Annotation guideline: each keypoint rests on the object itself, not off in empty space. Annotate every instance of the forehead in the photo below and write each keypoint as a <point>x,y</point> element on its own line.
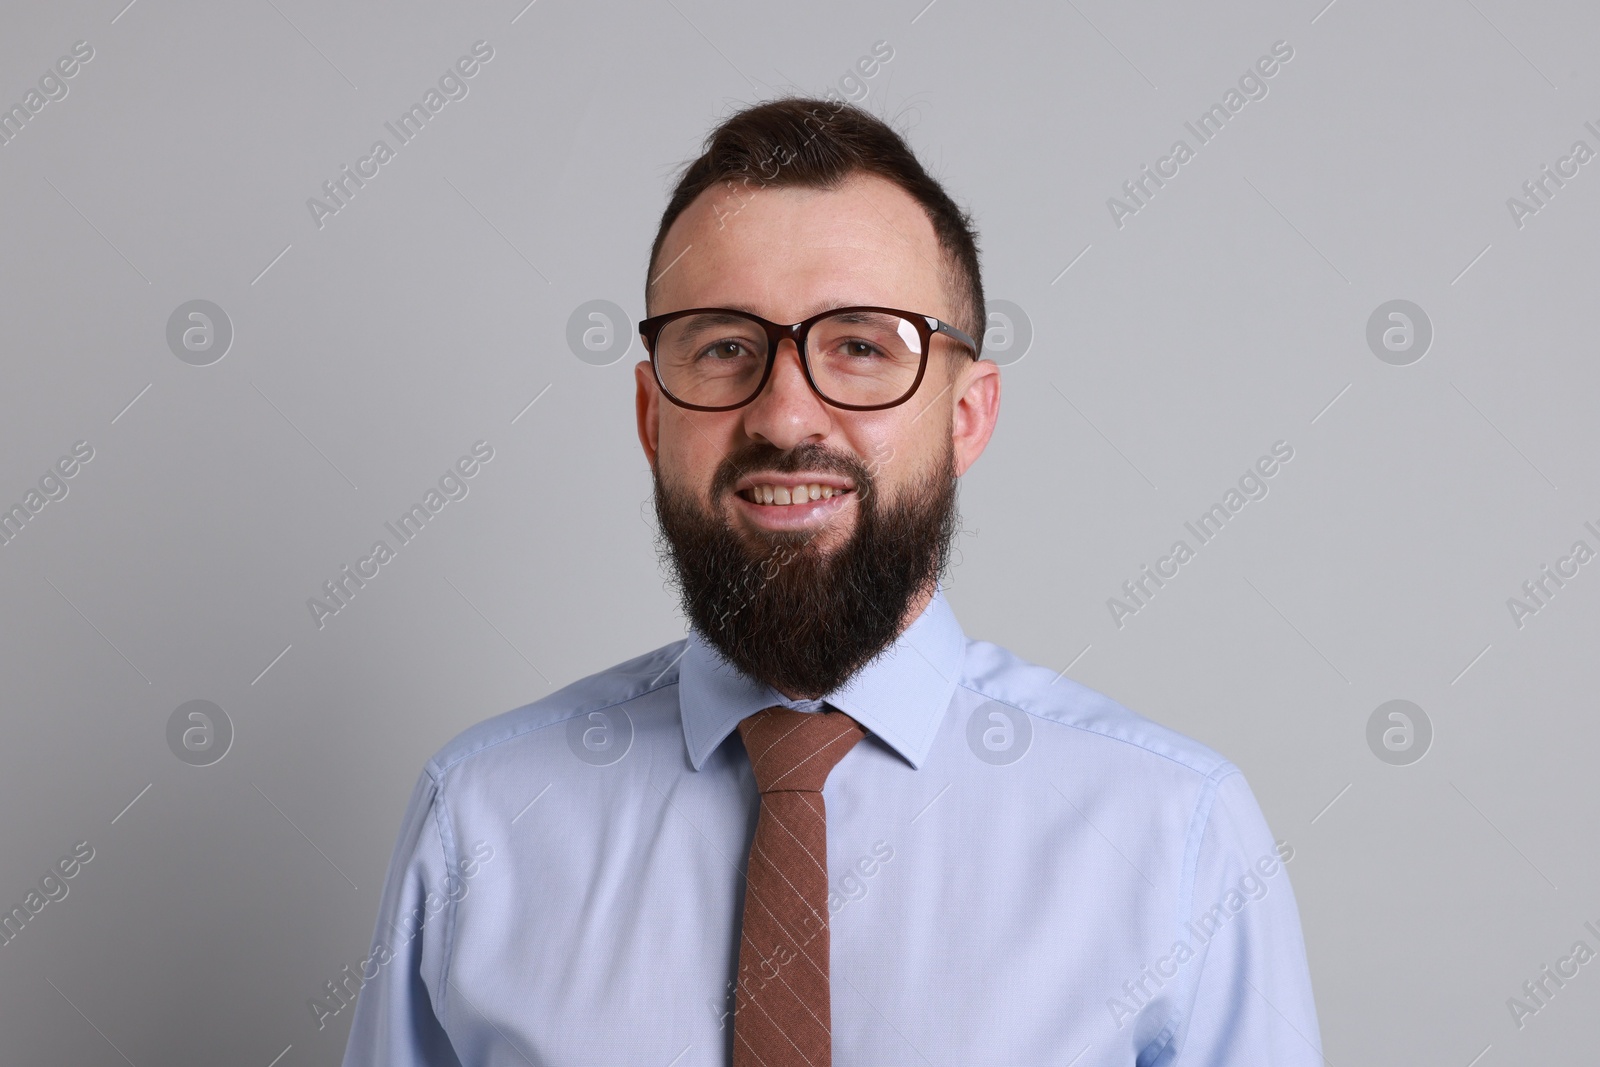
<point>787,252</point>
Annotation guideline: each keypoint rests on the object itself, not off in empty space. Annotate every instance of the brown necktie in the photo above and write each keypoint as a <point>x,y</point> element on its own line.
<point>781,1015</point>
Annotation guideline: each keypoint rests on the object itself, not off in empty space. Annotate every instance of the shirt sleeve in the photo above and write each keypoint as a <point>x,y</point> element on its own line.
<point>1251,988</point>
<point>396,1021</point>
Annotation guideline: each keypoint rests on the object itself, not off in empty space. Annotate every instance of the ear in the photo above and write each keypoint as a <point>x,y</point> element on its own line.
<point>977,407</point>
<point>647,409</point>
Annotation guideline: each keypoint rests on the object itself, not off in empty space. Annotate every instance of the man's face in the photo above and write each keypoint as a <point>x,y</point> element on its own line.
<point>786,254</point>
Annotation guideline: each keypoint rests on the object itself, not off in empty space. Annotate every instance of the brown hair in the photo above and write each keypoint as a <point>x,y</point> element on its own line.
<point>815,143</point>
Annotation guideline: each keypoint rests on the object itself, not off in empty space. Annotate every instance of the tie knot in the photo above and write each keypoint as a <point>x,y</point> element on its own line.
<point>796,750</point>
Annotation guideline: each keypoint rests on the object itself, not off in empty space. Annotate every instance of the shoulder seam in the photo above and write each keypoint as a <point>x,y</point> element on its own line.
<point>448,847</point>
<point>444,769</point>
<point>438,773</point>
<point>1198,824</point>
<point>1222,760</point>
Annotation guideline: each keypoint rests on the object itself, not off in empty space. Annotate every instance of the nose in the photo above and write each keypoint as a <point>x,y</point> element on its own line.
<point>787,412</point>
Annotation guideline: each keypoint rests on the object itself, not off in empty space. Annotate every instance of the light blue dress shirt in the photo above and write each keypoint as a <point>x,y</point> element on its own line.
<point>1022,872</point>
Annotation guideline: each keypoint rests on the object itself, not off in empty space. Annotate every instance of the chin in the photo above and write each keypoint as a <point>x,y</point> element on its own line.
<point>765,544</point>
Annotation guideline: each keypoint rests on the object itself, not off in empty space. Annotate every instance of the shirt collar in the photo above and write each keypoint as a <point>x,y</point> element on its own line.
<point>900,696</point>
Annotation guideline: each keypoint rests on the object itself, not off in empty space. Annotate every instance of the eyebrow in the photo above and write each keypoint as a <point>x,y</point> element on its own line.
<point>714,319</point>
<point>861,316</point>
<point>816,309</point>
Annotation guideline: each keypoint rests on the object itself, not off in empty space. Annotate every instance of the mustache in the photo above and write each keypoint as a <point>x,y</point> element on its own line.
<point>761,456</point>
<point>805,621</point>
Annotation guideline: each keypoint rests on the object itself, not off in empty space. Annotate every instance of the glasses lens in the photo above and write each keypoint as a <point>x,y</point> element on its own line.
<point>864,357</point>
<point>713,359</point>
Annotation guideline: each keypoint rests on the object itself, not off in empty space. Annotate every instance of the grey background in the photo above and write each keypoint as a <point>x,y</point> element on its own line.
<point>1228,314</point>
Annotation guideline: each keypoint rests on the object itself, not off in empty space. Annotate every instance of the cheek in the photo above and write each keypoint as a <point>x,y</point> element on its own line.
<point>690,451</point>
<point>896,450</point>
<point>906,468</point>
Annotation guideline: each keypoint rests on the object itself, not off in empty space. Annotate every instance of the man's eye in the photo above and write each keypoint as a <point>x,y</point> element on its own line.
<point>857,349</point>
<point>724,350</point>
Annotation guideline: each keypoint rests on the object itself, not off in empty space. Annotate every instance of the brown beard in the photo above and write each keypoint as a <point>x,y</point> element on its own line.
<point>787,614</point>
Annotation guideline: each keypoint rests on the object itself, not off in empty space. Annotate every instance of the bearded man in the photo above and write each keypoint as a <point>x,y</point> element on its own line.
<point>827,824</point>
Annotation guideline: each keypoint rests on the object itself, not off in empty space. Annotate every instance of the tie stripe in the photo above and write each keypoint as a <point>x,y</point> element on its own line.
<point>781,1004</point>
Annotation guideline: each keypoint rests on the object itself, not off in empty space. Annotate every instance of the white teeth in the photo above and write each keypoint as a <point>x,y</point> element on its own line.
<point>785,495</point>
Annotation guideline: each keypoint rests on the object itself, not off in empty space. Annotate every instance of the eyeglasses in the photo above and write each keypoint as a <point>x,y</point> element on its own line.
<point>857,358</point>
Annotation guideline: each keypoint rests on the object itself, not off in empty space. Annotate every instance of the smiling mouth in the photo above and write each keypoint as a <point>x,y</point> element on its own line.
<point>790,495</point>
